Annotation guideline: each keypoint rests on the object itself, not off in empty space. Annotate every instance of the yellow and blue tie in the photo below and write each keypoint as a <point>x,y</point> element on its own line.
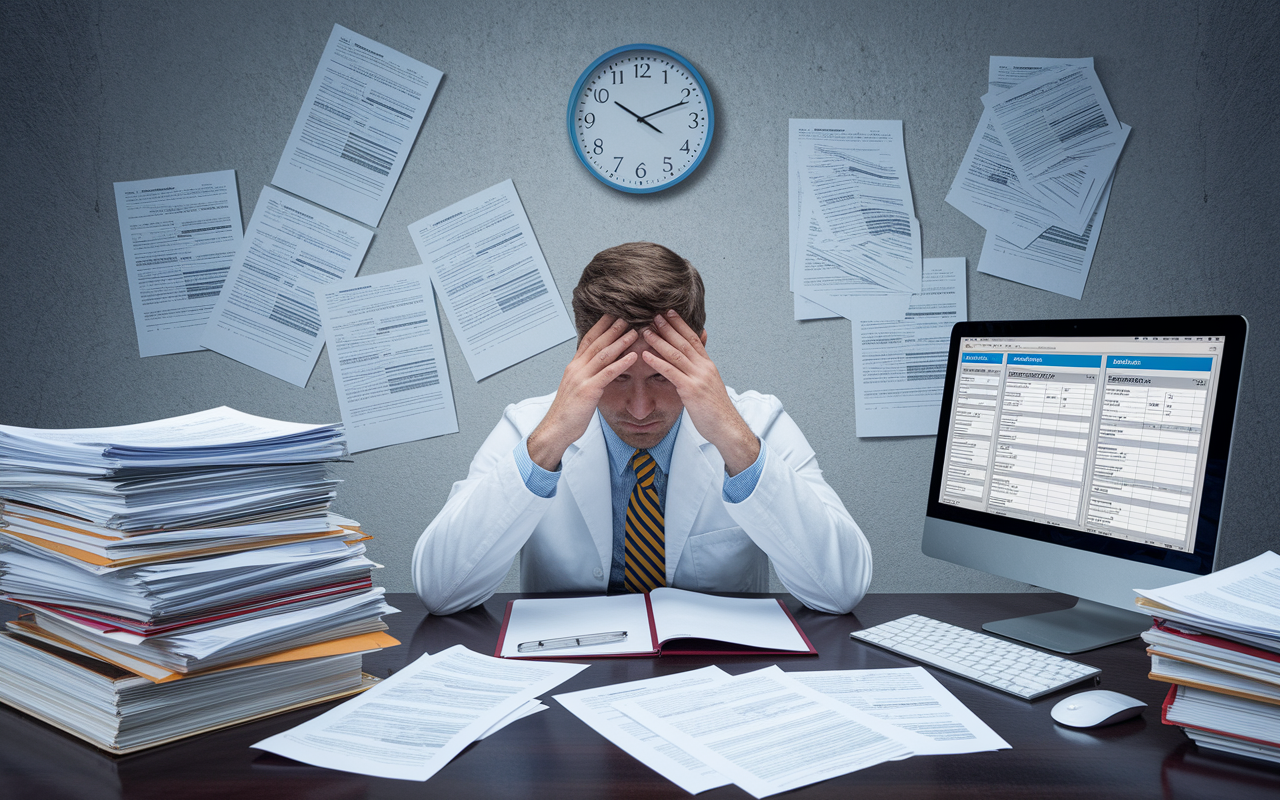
<point>646,559</point>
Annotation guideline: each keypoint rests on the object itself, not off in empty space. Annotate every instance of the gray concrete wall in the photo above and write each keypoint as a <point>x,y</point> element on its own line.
<point>99,92</point>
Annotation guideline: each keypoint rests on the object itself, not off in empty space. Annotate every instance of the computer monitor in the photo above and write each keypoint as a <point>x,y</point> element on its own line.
<point>1088,457</point>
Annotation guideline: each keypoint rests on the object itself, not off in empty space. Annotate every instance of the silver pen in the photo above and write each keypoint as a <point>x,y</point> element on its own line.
<point>584,640</point>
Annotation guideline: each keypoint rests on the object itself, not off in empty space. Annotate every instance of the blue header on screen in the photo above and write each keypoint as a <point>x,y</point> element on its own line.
<point>1054,360</point>
<point>1180,364</point>
<point>697,76</point>
<point>982,358</point>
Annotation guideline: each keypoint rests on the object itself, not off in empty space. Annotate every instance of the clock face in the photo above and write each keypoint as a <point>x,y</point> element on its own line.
<point>640,118</point>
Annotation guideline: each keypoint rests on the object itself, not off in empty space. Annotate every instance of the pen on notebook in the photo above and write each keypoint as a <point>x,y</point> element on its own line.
<point>584,640</point>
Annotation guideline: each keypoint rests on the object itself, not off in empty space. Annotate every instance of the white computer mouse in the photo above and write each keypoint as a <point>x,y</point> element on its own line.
<point>1096,708</point>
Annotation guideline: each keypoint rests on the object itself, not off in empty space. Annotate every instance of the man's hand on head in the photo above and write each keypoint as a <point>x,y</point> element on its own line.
<point>681,357</point>
<point>601,357</point>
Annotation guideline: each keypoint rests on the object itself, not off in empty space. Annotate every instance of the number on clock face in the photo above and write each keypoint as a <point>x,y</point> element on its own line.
<point>641,120</point>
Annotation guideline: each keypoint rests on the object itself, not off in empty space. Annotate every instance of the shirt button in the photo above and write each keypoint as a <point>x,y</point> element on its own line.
<point>599,573</point>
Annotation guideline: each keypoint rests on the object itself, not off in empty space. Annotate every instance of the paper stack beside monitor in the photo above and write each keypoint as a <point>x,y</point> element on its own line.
<point>182,575</point>
<point>1217,640</point>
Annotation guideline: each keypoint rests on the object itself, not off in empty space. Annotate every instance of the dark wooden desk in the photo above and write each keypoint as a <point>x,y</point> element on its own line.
<point>554,755</point>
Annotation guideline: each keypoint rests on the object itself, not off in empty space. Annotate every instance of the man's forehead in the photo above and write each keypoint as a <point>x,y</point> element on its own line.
<point>638,346</point>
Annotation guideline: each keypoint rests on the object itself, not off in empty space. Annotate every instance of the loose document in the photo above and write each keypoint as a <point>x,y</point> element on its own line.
<point>388,358</point>
<point>910,699</point>
<point>769,733</point>
<point>411,725</point>
<point>180,235</point>
<point>1057,260</point>
<point>899,366</point>
<point>267,316</point>
<point>855,240</point>
<point>1037,172</point>
<point>596,707</point>
<point>492,279</point>
<point>358,122</point>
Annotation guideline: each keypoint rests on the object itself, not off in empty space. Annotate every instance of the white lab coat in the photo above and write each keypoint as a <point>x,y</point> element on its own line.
<point>565,542</point>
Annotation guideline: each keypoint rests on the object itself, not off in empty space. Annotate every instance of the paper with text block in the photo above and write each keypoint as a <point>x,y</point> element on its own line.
<point>769,733</point>
<point>596,708</point>
<point>387,355</point>
<point>411,724</point>
<point>910,699</point>
<point>180,236</point>
<point>267,316</point>
<point>492,280</point>
<point>899,366</point>
<point>357,125</point>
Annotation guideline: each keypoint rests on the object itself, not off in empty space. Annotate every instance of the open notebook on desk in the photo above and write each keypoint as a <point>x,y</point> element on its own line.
<point>664,621</point>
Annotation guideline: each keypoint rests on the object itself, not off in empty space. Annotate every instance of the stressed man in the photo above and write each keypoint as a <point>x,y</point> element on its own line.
<point>643,469</point>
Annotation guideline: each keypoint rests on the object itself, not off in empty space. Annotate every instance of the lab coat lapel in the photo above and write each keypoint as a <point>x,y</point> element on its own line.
<point>586,471</point>
<point>690,478</point>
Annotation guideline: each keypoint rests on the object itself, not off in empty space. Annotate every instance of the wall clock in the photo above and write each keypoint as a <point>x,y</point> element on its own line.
<point>640,118</point>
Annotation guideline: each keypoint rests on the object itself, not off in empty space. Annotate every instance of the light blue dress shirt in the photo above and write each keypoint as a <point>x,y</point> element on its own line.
<point>622,480</point>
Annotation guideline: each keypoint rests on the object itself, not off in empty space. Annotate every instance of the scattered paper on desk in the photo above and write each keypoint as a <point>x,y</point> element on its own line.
<point>596,708</point>
<point>492,280</point>
<point>1056,260</point>
<point>267,316</point>
<point>411,724</point>
<point>180,236</point>
<point>911,699</point>
<point>387,356</point>
<point>768,733</point>
<point>357,125</point>
<point>529,708</point>
<point>855,240</point>
<point>899,366</point>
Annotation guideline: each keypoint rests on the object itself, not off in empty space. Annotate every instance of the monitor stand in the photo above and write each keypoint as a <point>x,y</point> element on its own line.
<point>1085,626</point>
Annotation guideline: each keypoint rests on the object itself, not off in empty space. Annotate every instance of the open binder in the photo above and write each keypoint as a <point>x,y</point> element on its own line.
<point>662,622</point>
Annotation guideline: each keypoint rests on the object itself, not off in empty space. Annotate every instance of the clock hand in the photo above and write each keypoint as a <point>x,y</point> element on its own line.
<point>634,114</point>
<point>659,111</point>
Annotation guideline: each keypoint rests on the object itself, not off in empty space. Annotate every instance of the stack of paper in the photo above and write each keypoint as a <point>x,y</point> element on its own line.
<point>1217,640</point>
<point>1038,170</point>
<point>185,563</point>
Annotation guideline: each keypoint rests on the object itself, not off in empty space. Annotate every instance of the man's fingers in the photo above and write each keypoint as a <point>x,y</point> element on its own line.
<point>610,352</point>
<point>602,327</point>
<point>665,368</point>
<point>680,327</point>
<point>614,369</point>
<point>663,347</point>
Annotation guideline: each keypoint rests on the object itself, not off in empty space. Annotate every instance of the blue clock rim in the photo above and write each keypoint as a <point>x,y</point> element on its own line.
<point>697,76</point>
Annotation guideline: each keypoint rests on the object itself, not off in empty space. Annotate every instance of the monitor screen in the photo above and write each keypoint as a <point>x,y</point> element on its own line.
<point>1105,437</point>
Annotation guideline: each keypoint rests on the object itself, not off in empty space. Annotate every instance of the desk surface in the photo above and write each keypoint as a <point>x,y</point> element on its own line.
<point>554,755</point>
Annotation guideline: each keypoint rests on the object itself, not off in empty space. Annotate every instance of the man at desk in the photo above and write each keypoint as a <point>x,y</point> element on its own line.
<point>643,469</point>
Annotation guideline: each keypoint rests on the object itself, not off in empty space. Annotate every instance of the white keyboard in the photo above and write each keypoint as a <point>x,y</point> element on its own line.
<point>989,660</point>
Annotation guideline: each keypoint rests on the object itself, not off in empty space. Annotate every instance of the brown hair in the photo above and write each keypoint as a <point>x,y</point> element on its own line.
<point>637,282</point>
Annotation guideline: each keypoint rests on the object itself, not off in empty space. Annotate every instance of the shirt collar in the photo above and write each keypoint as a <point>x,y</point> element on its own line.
<point>620,452</point>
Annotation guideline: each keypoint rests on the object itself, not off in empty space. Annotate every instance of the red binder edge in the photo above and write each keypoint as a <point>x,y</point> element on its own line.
<point>1215,641</point>
<point>660,650</point>
<point>1164,717</point>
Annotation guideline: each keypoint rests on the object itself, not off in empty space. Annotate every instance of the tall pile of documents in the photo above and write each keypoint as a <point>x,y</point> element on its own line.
<point>1217,640</point>
<point>181,575</point>
<point>1037,174</point>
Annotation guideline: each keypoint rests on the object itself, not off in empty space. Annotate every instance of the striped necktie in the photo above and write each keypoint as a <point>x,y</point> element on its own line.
<point>646,560</point>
